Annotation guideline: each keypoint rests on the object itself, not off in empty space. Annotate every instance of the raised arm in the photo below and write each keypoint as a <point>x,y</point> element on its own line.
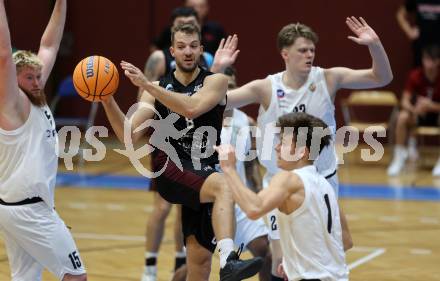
<point>211,94</point>
<point>9,92</point>
<point>50,42</point>
<point>226,54</point>
<point>257,91</point>
<point>412,32</point>
<point>255,205</point>
<point>117,119</point>
<point>378,75</point>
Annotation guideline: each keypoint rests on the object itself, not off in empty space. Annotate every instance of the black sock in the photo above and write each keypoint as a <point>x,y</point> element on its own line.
<point>179,261</point>
<point>150,261</point>
<point>275,278</point>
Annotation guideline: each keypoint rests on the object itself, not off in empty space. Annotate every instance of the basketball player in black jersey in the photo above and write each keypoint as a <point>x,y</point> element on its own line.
<point>198,97</point>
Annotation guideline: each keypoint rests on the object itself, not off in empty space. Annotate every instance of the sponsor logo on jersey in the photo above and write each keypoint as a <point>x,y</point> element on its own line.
<point>196,88</point>
<point>169,87</point>
<point>280,93</point>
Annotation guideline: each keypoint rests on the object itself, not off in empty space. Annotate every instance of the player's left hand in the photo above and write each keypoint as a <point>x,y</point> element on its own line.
<point>135,75</point>
<point>226,156</point>
<point>365,35</point>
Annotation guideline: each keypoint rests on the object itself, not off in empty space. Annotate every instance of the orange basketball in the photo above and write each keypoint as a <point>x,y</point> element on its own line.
<point>95,78</point>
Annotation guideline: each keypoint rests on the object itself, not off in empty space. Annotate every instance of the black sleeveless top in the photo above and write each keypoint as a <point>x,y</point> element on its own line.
<point>204,131</point>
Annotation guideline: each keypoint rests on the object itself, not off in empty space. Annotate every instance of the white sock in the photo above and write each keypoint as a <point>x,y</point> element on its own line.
<point>399,149</point>
<point>412,142</point>
<point>150,255</point>
<point>150,269</point>
<point>225,247</point>
<point>181,254</point>
<point>400,152</point>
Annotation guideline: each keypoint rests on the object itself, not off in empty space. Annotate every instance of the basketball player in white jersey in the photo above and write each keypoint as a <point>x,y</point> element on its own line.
<point>236,131</point>
<point>307,206</point>
<point>302,87</point>
<point>35,237</point>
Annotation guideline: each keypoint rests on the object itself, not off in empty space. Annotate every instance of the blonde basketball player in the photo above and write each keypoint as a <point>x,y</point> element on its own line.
<point>302,87</point>
<point>308,215</point>
<point>35,237</point>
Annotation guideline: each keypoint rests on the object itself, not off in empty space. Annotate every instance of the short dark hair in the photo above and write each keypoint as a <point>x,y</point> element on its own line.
<point>297,120</point>
<point>183,12</point>
<point>187,28</point>
<point>432,51</point>
<point>289,33</point>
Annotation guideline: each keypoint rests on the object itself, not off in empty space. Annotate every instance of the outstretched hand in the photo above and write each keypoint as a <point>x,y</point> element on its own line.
<point>365,35</point>
<point>226,156</point>
<point>135,75</point>
<point>227,52</point>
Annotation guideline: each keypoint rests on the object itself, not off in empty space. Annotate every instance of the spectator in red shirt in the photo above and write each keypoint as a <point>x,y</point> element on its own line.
<point>420,106</point>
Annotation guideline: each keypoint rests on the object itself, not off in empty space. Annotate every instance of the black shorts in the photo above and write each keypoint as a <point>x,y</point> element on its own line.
<point>180,187</point>
<point>183,187</point>
<point>429,120</point>
<point>199,224</point>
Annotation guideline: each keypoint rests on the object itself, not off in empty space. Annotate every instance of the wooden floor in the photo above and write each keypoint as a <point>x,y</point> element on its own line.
<point>394,239</point>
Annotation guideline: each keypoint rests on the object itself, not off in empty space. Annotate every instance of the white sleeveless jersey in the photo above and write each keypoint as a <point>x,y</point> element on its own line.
<point>313,98</point>
<point>29,158</point>
<point>311,236</point>
<point>237,133</point>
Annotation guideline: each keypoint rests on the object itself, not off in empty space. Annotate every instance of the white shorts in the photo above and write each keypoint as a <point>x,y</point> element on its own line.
<point>247,229</point>
<point>35,238</point>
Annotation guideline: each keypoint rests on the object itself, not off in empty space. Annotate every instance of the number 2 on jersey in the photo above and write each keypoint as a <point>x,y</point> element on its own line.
<point>273,223</point>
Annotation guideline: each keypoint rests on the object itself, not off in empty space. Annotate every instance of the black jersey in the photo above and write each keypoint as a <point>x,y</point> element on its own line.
<point>203,132</point>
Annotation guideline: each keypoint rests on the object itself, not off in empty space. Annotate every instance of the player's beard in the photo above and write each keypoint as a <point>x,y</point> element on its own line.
<point>36,99</point>
<point>188,69</point>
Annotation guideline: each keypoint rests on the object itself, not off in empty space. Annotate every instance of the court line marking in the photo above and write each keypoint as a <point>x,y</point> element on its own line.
<point>96,236</point>
<point>115,237</point>
<point>376,252</point>
<point>420,251</point>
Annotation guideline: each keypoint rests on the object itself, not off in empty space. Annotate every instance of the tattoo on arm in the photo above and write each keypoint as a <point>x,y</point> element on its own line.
<point>151,68</point>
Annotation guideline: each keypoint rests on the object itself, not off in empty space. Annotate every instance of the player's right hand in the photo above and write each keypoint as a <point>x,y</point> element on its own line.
<point>226,54</point>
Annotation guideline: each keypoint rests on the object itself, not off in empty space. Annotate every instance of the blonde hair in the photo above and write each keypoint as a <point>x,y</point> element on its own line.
<point>26,59</point>
<point>289,33</point>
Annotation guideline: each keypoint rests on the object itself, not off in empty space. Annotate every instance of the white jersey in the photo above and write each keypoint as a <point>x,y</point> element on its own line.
<point>237,133</point>
<point>312,98</point>
<point>29,158</point>
<point>311,236</point>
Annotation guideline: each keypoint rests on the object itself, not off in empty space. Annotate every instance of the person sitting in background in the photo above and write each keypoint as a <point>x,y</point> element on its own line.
<point>212,32</point>
<point>420,106</point>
